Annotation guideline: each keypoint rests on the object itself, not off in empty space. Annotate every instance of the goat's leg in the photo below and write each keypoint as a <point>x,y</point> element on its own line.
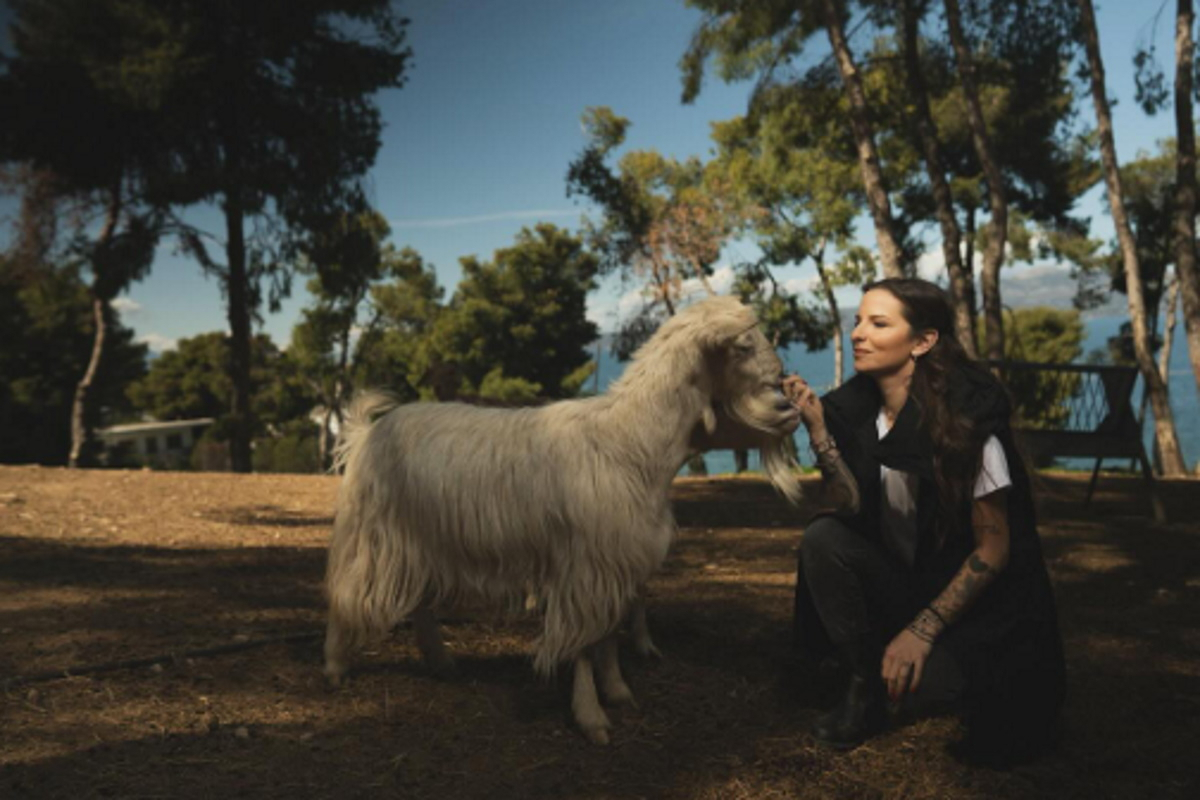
<point>608,674</point>
<point>338,641</point>
<point>429,639</point>
<point>585,704</point>
<point>639,630</point>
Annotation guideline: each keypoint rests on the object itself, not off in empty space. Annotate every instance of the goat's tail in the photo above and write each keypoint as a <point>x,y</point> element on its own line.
<point>358,584</point>
<point>362,411</point>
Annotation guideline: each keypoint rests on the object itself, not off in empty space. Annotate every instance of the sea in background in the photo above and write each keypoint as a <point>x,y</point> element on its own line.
<point>817,369</point>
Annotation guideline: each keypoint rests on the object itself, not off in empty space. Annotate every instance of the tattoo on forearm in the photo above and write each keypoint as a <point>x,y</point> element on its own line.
<point>927,625</point>
<point>964,589</point>
<point>841,490</point>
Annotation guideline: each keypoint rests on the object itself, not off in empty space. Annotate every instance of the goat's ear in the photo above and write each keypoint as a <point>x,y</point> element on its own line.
<point>735,333</point>
<point>743,344</point>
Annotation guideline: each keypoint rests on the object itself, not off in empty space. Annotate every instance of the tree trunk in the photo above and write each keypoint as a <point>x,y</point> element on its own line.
<point>864,137</point>
<point>325,441</point>
<point>1164,421</point>
<point>1185,183</point>
<point>993,257</point>
<point>237,291</point>
<point>1164,353</point>
<point>81,430</point>
<point>839,346</point>
<point>943,201</point>
<point>969,272</point>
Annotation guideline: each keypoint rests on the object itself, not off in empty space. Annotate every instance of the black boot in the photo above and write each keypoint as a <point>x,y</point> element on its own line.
<point>863,711</point>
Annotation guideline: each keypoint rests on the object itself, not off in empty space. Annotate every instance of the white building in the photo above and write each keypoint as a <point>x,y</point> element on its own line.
<point>155,444</point>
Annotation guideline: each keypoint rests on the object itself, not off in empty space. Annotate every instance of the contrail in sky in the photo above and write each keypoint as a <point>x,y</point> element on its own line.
<point>450,222</point>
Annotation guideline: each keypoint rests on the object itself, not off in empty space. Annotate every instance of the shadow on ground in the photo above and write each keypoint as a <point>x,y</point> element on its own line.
<point>724,715</point>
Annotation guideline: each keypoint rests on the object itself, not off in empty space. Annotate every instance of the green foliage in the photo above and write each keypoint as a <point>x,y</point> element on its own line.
<point>1148,185</point>
<point>394,352</point>
<point>276,112</point>
<point>1043,335</point>
<point>517,325</point>
<point>662,219</point>
<point>799,126</point>
<point>47,326</point>
<point>295,450</point>
<point>345,258</point>
<point>192,381</point>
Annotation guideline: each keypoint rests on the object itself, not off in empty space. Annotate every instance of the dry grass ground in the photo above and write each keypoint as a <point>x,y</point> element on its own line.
<point>103,567</point>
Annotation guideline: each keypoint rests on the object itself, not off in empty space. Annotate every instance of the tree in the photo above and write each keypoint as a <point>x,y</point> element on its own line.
<point>961,278</point>
<point>192,381</point>
<point>750,37</point>
<point>1164,423</point>
<point>82,65</point>
<point>997,197</point>
<point>1188,275</point>
<point>664,220</point>
<point>1048,335</point>
<point>46,316</point>
<point>345,258</point>
<point>790,158</point>
<point>394,350</point>
<point>273,117</point>
<point>516,328</point>
<point>1152,94</point>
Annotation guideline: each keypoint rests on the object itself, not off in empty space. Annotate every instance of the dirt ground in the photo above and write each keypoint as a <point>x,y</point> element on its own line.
<point>113,567</point>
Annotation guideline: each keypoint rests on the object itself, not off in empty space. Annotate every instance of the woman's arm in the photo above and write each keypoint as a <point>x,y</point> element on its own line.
<point>905,657</point>
<point>841,489</point>
<point>989,519</point>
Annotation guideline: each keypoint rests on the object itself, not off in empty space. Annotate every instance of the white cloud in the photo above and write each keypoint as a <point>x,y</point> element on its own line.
<point>157,342</point>
<point>125,305</point>
<point>451,222</point>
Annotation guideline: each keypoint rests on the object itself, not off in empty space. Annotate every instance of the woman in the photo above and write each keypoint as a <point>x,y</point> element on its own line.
<point>927,574</point>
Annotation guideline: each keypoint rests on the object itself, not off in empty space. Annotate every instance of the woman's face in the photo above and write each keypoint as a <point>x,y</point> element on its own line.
<point>884,343</point>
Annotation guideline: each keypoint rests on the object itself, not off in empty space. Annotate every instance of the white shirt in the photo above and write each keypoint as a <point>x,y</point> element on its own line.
<point>899,494</point>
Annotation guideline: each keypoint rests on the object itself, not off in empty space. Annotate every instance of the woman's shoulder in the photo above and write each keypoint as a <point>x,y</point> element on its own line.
<point>977,393</point>
<point>855,400</point>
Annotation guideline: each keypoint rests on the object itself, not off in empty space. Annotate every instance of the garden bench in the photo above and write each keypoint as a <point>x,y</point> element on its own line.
<point>1078,411</point>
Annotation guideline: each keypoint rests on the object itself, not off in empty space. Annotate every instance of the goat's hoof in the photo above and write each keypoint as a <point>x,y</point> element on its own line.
<point>648,651</point>
<point>621,697</point>
<point>443,667</point>
<point>335,673</point>
<point>597,735</point>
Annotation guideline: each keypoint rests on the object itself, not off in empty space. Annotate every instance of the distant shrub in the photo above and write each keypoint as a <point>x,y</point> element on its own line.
<point>210,454</point>
<point>293,451</point>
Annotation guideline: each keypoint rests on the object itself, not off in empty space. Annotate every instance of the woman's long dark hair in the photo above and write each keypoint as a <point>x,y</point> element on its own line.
<point>957,444</point>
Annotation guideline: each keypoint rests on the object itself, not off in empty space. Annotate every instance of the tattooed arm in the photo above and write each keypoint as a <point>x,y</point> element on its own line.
<point>989,519</point>
<point>841,489</point>
<point>904,659</point>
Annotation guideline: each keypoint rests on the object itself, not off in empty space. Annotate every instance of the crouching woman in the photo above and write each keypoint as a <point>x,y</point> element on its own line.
<point>926,573</point>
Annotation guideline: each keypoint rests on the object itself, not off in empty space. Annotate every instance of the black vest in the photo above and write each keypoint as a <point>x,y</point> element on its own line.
<point>1008,643</point>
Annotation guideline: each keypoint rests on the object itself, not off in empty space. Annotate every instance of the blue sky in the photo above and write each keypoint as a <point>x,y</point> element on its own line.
<point>477,143</point>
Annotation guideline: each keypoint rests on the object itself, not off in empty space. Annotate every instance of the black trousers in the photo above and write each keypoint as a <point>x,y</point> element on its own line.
<point>859,590</point>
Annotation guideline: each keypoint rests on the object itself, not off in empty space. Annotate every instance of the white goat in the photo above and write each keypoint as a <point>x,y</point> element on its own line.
<point>443,502</point>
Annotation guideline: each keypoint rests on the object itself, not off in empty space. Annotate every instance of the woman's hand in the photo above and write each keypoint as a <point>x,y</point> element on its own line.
<point>805,399</point>
<point>904,662</point>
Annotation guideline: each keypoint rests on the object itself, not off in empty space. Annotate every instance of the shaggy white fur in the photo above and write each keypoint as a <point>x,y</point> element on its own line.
<point>447,502</point>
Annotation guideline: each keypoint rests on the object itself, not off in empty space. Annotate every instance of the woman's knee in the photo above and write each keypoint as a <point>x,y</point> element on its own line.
<point>825,539</point>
